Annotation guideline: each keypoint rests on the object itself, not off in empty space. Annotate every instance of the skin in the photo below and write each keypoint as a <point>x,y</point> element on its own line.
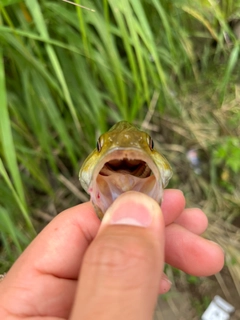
<point>81,268</point>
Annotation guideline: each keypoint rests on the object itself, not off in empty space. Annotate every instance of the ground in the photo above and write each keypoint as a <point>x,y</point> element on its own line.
<point>186,303</point>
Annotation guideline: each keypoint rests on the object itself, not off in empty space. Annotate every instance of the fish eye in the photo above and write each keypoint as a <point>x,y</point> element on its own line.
<point>150,143</point>
<point>99,145</point>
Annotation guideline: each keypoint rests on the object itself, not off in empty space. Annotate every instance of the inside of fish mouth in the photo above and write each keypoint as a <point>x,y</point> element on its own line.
<point>135,167</point>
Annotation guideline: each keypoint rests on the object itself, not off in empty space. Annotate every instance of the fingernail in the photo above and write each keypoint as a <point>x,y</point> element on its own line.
<point>166,279</point>
<point>132,208</point>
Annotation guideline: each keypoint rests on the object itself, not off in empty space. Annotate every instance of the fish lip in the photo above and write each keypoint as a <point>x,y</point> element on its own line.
<point>126,153</point>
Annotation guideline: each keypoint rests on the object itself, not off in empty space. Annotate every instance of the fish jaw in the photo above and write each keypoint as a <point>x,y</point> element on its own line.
<point>122,170</point>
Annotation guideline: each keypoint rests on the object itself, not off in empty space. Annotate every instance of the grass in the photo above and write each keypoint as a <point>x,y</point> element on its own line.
<point>67,74</point>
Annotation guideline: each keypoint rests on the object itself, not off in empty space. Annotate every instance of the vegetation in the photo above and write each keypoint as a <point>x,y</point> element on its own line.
<point>67,73</point>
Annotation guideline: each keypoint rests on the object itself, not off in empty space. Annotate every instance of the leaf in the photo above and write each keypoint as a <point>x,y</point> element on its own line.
<point>8,227</point>
<point>7,138</point>
<point>5,3</point>
<point>22,208</point>
<point>35,10</point>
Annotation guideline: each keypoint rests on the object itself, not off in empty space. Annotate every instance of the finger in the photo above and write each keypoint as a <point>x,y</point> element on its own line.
<point>59,248</point>
<point>52,262</point>
<point>193,220</point>
<point>165,284</point>
<point>123,266</point>
<point>64,241</point>
<point>172,205</point>
<point>191,253</point>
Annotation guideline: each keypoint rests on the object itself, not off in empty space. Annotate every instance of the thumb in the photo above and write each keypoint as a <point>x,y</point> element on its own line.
<point>123,266</point>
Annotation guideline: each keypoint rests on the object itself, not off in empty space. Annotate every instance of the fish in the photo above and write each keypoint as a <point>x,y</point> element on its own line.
<point>124,159</point>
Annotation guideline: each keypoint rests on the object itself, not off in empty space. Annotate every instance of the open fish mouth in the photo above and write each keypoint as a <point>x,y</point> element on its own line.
<point>134,167</point>
<point>122,171</point>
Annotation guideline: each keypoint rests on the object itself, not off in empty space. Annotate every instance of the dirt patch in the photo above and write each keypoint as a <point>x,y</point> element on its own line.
<point>188,301</point>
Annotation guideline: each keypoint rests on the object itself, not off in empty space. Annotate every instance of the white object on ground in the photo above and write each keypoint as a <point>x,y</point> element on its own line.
<point>219,309</point>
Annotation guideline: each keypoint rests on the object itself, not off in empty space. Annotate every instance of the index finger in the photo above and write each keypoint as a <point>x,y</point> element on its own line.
<point>60,246</point>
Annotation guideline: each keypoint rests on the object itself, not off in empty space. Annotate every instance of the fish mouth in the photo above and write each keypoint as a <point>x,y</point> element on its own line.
<point>134,167</point>
<point>121,171</point>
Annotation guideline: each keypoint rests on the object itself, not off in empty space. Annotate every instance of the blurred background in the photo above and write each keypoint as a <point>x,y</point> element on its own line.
<point>68,73</point>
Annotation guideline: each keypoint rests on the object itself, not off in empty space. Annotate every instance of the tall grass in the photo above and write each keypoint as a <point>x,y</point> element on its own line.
<point>67,73</point>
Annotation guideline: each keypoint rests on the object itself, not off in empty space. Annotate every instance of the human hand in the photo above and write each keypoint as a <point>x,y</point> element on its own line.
<point>79,268</point>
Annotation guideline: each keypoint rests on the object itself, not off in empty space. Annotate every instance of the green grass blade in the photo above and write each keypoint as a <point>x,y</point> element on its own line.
<point>7,143</point>
<point>8,228</point>
<point>22,208</point>
<point>33,36</point>
<point>233,59</point>
<point>35,10</point>
<point>5,3</point>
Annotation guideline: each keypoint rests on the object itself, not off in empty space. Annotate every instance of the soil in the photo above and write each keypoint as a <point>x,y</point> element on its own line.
<point>186,301</point>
